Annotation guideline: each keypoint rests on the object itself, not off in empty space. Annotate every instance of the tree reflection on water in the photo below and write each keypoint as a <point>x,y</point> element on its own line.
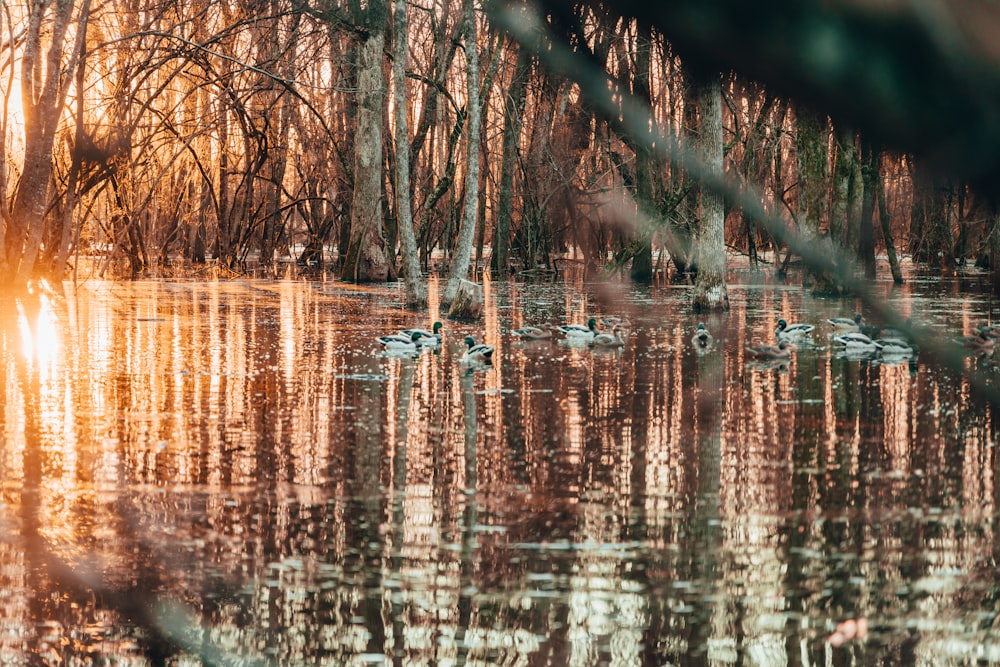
<point>235,472</point>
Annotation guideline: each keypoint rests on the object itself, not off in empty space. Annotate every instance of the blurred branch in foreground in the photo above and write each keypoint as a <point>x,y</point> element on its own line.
<point>608,99</point>
<point>922,77</point>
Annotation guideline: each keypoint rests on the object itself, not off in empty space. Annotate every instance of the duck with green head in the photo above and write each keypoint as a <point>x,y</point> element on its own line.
<point>579,332</point>
<point>399,342</point>
<point>476,354</point>
<point>792,332</point>
<point>426,338</point>
<point>702,339</point>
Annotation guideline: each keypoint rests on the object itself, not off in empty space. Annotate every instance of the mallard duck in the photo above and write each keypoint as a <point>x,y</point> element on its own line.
<point>613,321</point>
<point>793,331</point>
<point>580,332</point>
<point>846,323</point>
<point>702,339</point>
<point>783,350</point>
<point>477,354</point>
<point>612,339</point>
<point>991,330</point>
<point>894,347</point>
<point>426,338</point>
<point>399,342</point>
<point>855,342</point>
<point>981,342</point>
<point>532,333</point>
<point>890,332</point>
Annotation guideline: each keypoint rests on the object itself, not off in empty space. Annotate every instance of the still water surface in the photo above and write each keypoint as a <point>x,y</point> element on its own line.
<point>237,469</point>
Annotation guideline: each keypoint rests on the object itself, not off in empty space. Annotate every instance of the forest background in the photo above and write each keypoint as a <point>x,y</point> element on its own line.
<point>372,139</point>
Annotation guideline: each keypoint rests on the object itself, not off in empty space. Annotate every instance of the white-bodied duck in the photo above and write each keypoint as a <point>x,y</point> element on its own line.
<point>894,347</point>
<point>609,340</point>
<point>399,342</point>
<point>792,332</point>
<point>426,338</point>
<point>476,354</point>
<point>579,332</point>
<point>856,342</point>
<point>846,324</point>
<point>532,333</point>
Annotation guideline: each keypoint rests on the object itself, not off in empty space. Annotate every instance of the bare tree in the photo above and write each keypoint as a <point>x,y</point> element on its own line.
<point>416,290</point>
<point>366,258</point>
<point>44,82</point>
<point>710,286</point>
<point>463,250</point>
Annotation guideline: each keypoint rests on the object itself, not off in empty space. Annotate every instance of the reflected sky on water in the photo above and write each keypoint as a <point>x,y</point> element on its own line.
<point>235,473</point>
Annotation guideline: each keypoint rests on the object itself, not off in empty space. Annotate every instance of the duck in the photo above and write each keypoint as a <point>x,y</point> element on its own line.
<point>399,342</point>
<point>613,321</point>
<point>856,343</point>
<point>793,331</point>
<point>477,354</point>
<point>426,338</point>
<point>890,332</point>
<point>894,347</point>
<point>783,350</point>
<point>846,323</point>
<point>611,340</point>
<point>532,333</point>
<point>579,332</point>
<point>982,342</point>
<point>991,330</point>
<point>702,339</point>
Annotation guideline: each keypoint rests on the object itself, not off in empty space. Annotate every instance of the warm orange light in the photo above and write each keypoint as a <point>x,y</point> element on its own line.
<point>39,335</point>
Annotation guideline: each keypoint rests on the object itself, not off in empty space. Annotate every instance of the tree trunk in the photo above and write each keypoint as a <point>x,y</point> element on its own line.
<point>843,169</point>
<point>642,257</point>
<point>514,103</point>
<point>993,245</point>
<point>710,285</point>
<point>416,290</point>
<point>463,251</point>
<point>883,217</point>
<point>866,237</point>
<point>366,259</point>
<point>42,100</point>
<point>812,153</point>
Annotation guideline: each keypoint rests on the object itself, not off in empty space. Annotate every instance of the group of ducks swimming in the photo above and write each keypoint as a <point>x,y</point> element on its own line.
<point>851,333</point>
<point>859,339</point>
<point>410,341</point>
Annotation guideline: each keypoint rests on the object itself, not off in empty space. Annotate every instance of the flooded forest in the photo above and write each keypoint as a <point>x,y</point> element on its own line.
<point>499,333</point>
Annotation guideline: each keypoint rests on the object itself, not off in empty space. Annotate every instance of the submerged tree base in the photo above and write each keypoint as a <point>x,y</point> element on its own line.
<point>710,298</point>
<point>468,302</point>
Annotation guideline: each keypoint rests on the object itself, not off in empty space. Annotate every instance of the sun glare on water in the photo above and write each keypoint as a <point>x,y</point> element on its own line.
<point>40,339</point>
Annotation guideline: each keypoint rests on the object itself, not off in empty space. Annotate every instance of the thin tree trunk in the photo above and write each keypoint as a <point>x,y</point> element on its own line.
<point>866,237</point>
<point>463,251</point>
<point>514,103</point>
<point>60,253</point>
<point>883,217</point>
<point>993,246</point>
<point>416,290</point>
<point>710,285</point>
<point>840,227</point>
<point>642,258</point>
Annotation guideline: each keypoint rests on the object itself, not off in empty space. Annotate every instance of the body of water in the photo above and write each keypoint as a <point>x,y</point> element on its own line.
<point>235,473</point>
